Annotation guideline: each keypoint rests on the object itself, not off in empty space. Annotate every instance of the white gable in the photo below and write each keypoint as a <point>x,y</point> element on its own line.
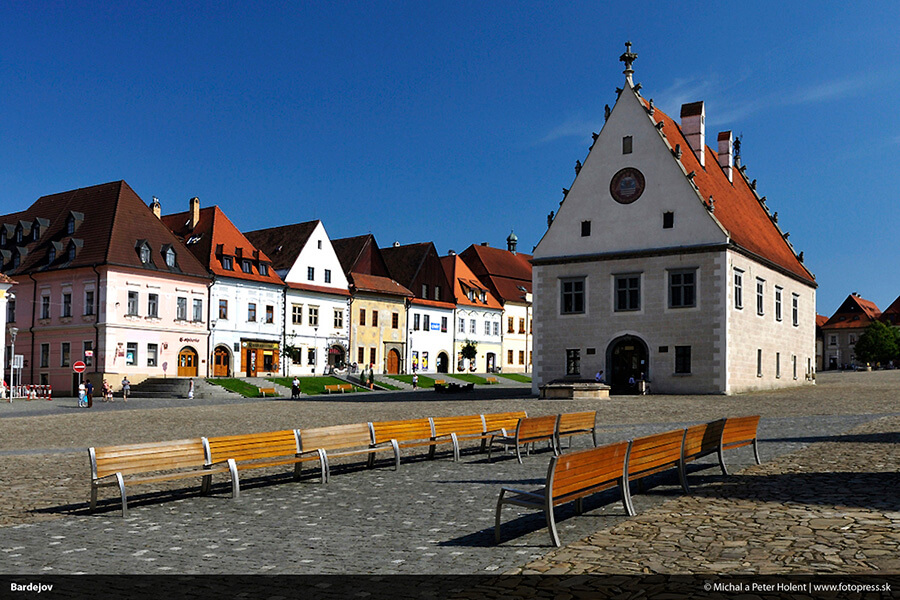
<point>619,227</point>
<point>319,254</point>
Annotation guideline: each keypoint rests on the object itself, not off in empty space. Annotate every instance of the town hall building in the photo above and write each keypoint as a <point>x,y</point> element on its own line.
<point>663,264</point>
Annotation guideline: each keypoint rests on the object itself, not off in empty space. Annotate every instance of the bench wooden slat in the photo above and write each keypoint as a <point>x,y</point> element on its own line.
<point>528,431</point>
<point>507,421</point>
<point>737,433</point>
<point>402,431</point>
<point>344,440</point>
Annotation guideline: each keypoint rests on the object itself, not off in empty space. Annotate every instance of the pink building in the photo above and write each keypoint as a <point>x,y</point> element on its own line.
<point>102,280</point>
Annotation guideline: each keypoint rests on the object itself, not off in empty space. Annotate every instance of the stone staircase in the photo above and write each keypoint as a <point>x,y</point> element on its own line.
<point>173,387</point>
<point>391,381</point>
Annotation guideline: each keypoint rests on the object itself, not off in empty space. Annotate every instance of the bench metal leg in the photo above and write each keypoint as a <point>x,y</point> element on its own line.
<point>455,441</point>
<point>579,506</point>
<point>93,497</point>
<point>324,467</point>
<point>682,476</point>
<point>519,453</point>
<point>205,484</point>
<point>626,497</point>
<point>756,451</point>
<point>722,462</point>
<point>121,483</point>
<point>551,525</point>
<point>396,454</point>
<point>497,516</point>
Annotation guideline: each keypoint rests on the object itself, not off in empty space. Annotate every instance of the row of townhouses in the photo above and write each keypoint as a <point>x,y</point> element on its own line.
<point>836,336</point>
<point>96,275</point>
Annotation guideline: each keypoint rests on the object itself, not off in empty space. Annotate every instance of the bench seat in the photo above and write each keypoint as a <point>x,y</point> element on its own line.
<point>343,440</point>
<point>571,424</point>
<point>528,431</point>
<point>259,450</point>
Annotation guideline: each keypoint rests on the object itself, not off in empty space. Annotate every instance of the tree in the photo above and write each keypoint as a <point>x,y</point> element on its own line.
<point>469,350</point>
<point>879,343</point>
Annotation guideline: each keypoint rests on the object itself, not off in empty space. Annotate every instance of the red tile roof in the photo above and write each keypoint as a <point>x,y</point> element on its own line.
<point>855,313</point>
<point>507,274</point>
<point>461,276</point>
<point>736,205</point>
<point>364,282</point>
<point>821,320</point>
<point>215,232</point>
<point>891,315</point>
<point>110,222</point>
<point>318,288</point>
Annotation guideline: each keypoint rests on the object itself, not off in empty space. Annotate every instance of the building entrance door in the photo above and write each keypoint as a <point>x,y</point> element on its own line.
<point>627,361</point>
<point>443,363</point>
<point>220,362</point>
<point>393,362</point>
<point>187,362</point>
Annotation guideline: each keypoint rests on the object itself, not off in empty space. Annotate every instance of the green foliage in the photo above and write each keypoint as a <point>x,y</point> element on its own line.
<point>516,377</point>
<point>236,385</point>
<point>879,343</point>
<point>312,386</point>
<point>471,378</point>
<point>469,350</point>
<point>424,382</point>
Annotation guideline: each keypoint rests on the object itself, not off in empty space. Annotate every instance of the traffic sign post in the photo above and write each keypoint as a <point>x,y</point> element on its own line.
<point>79,366</point>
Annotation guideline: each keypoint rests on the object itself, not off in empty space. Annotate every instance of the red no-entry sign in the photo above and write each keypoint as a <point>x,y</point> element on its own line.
<point>79,366</point>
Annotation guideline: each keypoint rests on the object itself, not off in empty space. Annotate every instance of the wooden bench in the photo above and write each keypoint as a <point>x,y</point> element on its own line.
<point>454,429</point>
<point>343,440</point>
<point>570,477</point>
<point>502,423</point>
<point>576,424</point>
<point>699,441</point>
<point>649,455</point>
<point>440,382</point>
<point>490,380</point>
<point>153,462</point>
<point>528,431</point>
<point>268,391</point>
<point>259,450</point>
<point>409,433</point>
<point>338,388</point>
<point>739,432</point>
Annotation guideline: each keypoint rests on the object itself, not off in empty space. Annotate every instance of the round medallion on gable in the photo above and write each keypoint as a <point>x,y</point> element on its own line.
<point>627,185</point>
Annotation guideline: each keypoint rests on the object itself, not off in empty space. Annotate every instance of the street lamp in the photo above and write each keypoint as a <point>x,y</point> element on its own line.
<point>13,332</point>
<point>315,349</point>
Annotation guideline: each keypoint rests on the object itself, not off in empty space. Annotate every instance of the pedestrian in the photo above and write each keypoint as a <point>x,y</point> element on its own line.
<point>3,392</point>
<point>599,376</point>
<point>126,388</point>
<point>372,376</point>
<point>191,390</point>
<point>415,381</point>
<point>295,388</point>
<point>89,388</point>
<point>107,391</point>
<point>82,399</point>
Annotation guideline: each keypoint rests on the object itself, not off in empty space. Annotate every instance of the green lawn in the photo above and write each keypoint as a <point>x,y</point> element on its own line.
<point>236,385</point>
<point>516,377</point>
<point>312,386</point>
<point>471,378</point>
<point>424,382</point>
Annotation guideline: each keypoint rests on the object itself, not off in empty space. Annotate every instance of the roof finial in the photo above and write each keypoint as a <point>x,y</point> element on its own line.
<point>628,58</point>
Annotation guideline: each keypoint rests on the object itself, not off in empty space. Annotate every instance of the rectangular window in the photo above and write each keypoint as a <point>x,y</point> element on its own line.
<point>152,355</point>
<point>223,309</point>
<point>374,318</point>
<point>832,340</point>
<point>67,305</point>
<point>131,354</point>
<point>668,220</point>
<point>521,325</point>
<point>760,296</point>
<point>472,325</point>
<point>372,356</point>
<point>198,310</point>
<point>462,325</point>
<point>361,355</point>
<point>270,313</point>
<point>311,356</point>
<point>313,316</point>
<point>45,307</point>
<point>338,318</point>
<point>245,266</point>
<point>509,357</point>
<point>181,313</point>
<point>682,359</point>
<point>227,263</point>
<point>497,328</point>
<point>778,294</point>
<point>572,296</point>
<point>759,362</point>
<point>64,354</point>
<point>426,322</point>
<point>416,322</point>
<point>327,275</point>
<point>585,228</point>
<point>88,346</point>
<point>132,308</point>
<point>683,288</point>
<point>437,292</point>
<point>509,324</point>
<point>794,365</point>
<point>521,357</point>
<point>297,314</point>
<point>362,316</point>
<point>310,273</point>
<point>425,290</point>
<point>738,289</point>
<point>444,324</point>
<point>573,362</point>
<point>153,305</point>
<point>251,311</point>
<point>45,355</point>
<point>11,310</point>
<point>778,365</point>
<point>627,144</point>
<point>795,309</point>
<point>628,292</point>
<point>395,321</point>
<point>487,328</point>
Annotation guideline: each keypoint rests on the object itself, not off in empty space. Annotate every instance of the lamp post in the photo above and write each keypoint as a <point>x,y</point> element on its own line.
<point>212,343</point>
<point>315,349</point>
<point>13,332</point>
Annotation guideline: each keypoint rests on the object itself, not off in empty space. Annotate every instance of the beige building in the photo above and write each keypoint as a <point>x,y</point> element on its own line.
<point>842,330</point>
<point>664,264</point>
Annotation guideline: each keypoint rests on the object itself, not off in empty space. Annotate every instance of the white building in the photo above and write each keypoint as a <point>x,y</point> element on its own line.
<point>246,298</point>
<point>478,316</point>
<point>317,299</point>
<point>663,262</point>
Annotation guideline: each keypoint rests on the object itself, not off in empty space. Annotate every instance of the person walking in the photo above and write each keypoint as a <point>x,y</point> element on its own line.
<point>82,400</point>
<point>191,390</point>
<point>372,376</point>
<point>126,388</point>
<point>106,390</point>
<point>415,381</point>
<point>89,389</point>
<point>295,388</point>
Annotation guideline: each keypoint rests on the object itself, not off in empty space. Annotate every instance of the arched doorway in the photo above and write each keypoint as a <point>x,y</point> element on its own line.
<point>187,362</point>
<point>443,363</point>
<point>393,362</point>
<point>221,362</point>
<point>627,358</point>
<point>336,357</point>
<point>491,360</point>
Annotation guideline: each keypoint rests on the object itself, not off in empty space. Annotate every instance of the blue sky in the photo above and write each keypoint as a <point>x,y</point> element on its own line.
<point>452,122</point>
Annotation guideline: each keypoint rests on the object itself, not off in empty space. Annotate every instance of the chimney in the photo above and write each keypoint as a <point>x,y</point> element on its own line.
<point>396,244</point>
<point>693,124</point>
<point>156,207</point>
<point>726,159</point>
<point>485,244</point>
<point>195,212</point>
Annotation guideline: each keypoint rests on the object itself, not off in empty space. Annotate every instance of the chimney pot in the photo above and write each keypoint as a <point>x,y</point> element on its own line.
<point>726,158</point>
<point>693,124</point>
<point>195,212</point>
<point>156,207</point>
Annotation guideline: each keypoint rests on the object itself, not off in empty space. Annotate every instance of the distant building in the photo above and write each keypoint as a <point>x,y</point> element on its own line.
<point>843,329</point>
<point>478,316</point>
<point>664,263</point>
<point>891,315</point>
<point>820,342</point>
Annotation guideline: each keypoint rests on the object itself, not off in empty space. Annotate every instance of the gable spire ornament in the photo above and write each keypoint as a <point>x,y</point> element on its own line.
<point>628,58</point>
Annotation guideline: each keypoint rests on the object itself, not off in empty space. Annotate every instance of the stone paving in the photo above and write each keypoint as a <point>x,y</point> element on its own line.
<point>823,501</point>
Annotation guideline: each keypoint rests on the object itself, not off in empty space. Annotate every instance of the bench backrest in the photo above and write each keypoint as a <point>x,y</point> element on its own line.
<point>581,421</point>
<point>701,440</point>
<point>654,453</point>
<point>144,458</point>
<point>507,421</point>
<point>402,431</point>
<point>253,446</point>
<point>467,425</point>
<point>739,431</point>
<point>530,428</point>
<point>335,437</point>
<point>580,473</point>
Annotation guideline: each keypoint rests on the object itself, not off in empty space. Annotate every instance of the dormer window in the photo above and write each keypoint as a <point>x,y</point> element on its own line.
<point>70,225</point>
<point>264,270</point>
<point>170,257</point>
<point>71,253</point>
<point>3,239</point>
<point>19,234</point>
<point>51,255</point>
<point>227,263</point>
<point>144,253</point>
<point>245,266</point>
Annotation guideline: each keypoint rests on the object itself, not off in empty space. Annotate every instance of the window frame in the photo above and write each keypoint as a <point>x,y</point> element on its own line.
<point>738,282</point>
<point>682,288</point>
<point>573,295</point>
<point>153,306</point>
<point>630,293</point>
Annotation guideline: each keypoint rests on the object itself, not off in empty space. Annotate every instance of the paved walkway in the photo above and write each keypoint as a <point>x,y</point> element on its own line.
<point>823,501</point>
